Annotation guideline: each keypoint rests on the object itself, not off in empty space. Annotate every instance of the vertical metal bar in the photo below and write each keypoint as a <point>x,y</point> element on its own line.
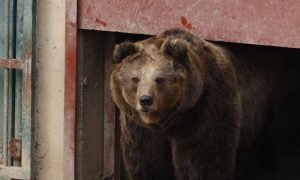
<point>5,86</point>
<point>2,22</point>
<point>5,119</point>
<point>18,78</point>
<point>26,124</point>
<point>11,74</point>
<point>10,112</point>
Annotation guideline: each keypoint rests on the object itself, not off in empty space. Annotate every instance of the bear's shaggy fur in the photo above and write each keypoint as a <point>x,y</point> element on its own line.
<point>208,104</point>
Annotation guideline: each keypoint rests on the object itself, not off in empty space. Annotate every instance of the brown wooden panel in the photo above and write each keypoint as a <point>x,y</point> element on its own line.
<point>89,106</point>
<point>271,22</point>
<point>97,151</point>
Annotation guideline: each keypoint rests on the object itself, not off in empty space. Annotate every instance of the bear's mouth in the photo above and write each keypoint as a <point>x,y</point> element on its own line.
<point>146,109</point>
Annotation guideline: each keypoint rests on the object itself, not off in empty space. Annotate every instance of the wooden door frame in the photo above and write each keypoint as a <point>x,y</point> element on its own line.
<point>70,89</point>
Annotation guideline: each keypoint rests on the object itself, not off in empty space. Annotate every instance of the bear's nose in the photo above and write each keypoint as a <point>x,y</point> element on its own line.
<point>146,100</point>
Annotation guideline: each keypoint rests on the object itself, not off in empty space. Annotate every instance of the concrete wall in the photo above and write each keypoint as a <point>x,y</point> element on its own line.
<point>50,89</point>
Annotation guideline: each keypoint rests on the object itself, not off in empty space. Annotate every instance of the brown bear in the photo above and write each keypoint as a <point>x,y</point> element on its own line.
<point>190,108</point>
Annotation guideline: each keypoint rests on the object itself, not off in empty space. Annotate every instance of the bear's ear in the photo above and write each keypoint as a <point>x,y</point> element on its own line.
<point>175,47</point>
<point>123,50</point>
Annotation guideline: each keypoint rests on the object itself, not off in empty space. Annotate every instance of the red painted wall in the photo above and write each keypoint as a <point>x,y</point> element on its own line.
<point>266,22</point>
<point>70,89</point>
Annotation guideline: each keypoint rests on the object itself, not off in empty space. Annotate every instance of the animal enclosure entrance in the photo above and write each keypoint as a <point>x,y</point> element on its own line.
<point>97,149</point>
<point>276,155</point>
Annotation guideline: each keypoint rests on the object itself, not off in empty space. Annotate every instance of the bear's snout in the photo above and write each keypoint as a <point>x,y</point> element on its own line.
<point>146,102</point>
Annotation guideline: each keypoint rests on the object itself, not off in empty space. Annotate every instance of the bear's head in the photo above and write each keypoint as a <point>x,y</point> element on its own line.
<point>156,79</point>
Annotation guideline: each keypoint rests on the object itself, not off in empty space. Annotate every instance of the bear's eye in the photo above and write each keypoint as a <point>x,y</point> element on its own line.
<point>159,80</point>
<point>135,79</point>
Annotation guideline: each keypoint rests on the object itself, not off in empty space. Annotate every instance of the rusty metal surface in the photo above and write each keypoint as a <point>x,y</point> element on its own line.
<point>11,63</point>
<point>70,90</point>
<point>270,22</point>
<point>19,57</point>
<point>15,148</point>
<point>26,129</point>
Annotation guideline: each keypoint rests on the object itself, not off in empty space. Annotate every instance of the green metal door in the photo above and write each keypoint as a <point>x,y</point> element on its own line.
<point>16,22</point>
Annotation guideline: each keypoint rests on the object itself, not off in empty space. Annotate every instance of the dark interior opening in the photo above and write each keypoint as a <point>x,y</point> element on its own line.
<point>275,156</point>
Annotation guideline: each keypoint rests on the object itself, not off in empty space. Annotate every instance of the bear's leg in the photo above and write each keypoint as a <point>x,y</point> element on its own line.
<point>146,155</point>
<point>206,155</point>
<point>191,163</point>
